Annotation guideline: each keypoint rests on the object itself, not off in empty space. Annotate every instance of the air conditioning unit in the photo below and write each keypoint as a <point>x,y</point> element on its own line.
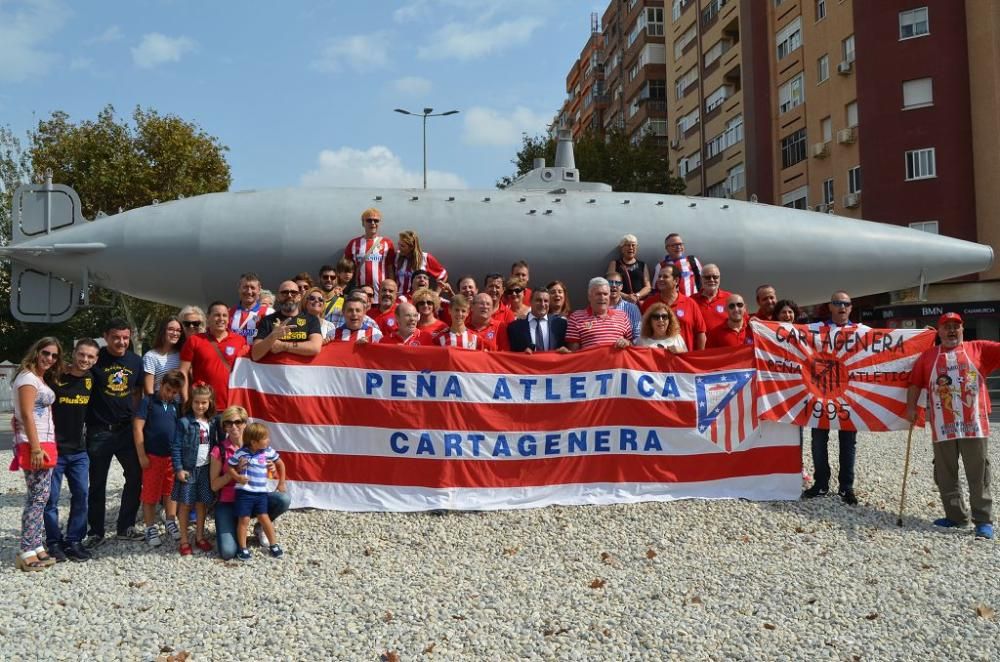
<point>844,68</point>
<point>675,144</point>
<point>820,150</point>
<point>852,200</point>
<point>845,136</point>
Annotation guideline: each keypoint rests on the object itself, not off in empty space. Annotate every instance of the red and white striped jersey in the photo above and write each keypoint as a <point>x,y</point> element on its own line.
<point>244,320</point>
<point>370,257</point>
<point>465,340</point>
<point>405,269</point>
<point>690,272</point>
<point>371,334</point>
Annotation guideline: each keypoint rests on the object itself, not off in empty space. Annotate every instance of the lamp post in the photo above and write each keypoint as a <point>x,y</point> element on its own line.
<point>428,112</point>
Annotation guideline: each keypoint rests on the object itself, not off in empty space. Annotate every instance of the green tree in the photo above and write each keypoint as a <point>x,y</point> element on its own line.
<point>642,167</point>
<point>114,165</point>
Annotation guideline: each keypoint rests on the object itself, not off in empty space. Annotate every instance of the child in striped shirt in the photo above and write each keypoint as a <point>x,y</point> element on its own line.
<point>248,468</point>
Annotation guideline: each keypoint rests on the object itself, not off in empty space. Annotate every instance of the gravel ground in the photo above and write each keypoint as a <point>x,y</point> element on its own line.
<point>684,580</point>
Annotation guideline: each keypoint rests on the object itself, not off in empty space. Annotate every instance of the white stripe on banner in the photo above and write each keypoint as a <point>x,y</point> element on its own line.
<point>444,386</point>
<point>355,497</point>
<point>445,444</point>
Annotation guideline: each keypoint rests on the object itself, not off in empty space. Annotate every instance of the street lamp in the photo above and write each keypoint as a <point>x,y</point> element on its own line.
<point>428,112</point>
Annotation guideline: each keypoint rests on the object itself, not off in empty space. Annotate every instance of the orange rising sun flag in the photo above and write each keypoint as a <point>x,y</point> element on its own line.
<point>849,378</point>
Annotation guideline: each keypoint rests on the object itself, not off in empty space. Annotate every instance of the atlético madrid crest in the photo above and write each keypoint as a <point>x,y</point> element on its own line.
<point>725,407</point>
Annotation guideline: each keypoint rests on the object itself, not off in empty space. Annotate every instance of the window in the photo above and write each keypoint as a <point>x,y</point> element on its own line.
<point>736,178</point>
<point>734,130</point>
<point>913,23</point>
<point>854,180</point>
<point>920,164</point>
<point>791,94</point>
<point>717,190</point>
<point>683,41</point>
<point>925,226</point>
<point>797,199</point>
<point>820,10</point>
<point>654,21</point>
<point>676,10</point>
<point>653,54</point>
<point>657,127</point>
<point>717,97</point>
<point>685,122</point>
<point>689,78</point>
<point>716,51</point>
<point>828,191</point>
<point>851,112</point>
<point>918,93</point>
<point>847,49</point>
<point>688,164</point>
<point>822,69</point>
<point>789,38</point>
<point>654,89</point>
<point>826,129</point>
<point>793,148</point>
<point>711,10</point>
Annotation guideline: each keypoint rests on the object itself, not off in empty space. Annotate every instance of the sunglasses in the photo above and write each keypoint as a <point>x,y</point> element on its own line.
<point>314,299</point>
<point>516,290</point>
<point>840,304</point>
<point>328,277</point>
<point>373,220</point>
<point>290,293</point>
<point>238,421</point>
<point>660,317</point>
<point>425,303</point>
<point>734,305</point>
<point>615,283</point>
<point>49,355</point>
<point>191,324</point>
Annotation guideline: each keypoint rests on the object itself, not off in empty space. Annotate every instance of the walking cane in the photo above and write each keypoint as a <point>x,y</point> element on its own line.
<point>906,473</point>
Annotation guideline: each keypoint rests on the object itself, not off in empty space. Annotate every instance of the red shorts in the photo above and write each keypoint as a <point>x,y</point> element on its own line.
<point>157,480</point>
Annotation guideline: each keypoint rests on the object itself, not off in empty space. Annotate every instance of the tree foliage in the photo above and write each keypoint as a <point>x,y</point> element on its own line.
<point>612,159</point>
<point>114,165</point>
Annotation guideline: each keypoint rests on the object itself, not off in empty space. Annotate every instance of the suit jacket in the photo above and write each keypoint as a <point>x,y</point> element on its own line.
<point>520,337</point>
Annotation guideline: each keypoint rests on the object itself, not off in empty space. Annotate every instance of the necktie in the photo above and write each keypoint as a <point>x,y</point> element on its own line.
<point>539,341</point>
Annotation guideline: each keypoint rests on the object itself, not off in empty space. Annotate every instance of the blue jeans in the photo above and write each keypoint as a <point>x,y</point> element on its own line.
<point>821,458</point>
<point>76,468</point>
<point>103,446</point>
<point>225,521</point>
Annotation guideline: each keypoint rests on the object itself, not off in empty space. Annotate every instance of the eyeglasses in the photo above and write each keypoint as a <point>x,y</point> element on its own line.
<point>734,305</point>
<point>615,283</point>
<point>425,303</point>
<point>290,293</point>
<point>710,276</point>
<point>314,299</point>
<point>49,355</point>
<point>237,421</point>
<point>660,317</point>
<point>191,324</point>
<point>840,304</point>
<point>516,290</point>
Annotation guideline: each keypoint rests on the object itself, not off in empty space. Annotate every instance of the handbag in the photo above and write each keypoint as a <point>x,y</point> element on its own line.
<point>22,456</point>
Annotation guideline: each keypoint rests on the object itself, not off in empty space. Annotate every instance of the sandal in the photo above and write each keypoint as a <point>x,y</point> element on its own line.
<point>203,545</point>
<point>22,563</point>
<point>43,557</point>
<point>186,550</point>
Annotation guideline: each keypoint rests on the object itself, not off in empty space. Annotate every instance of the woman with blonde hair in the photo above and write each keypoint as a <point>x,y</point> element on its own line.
<point>410,258</point>
<point>35,445</point>
<point>514,293</point>
<point>427,302</point>
<point>660,328</point>
<point>635,274</point>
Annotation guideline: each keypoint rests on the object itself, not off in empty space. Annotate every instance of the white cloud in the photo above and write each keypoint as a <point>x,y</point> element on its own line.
<point>411,11</point>
<point>487,126</point>
<point>156,49</point>
<point>464,41</point>
<point>113,33</point>
<point>412,86</point>
<point>359,52</point>
<point>23,31</point>
<point>375,166</point>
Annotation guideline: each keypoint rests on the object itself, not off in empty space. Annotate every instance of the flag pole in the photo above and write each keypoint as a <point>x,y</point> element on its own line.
<point>906,472</point>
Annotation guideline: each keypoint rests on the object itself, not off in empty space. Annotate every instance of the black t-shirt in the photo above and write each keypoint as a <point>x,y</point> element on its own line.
<point>303,325</point>
<point>631,275</point>
<point>70,411</point>
<point>116,378</point>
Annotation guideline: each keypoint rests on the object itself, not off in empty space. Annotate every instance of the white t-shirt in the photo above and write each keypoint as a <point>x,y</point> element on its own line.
<point>42,411</point>
<point>665,343</point>
<point>156,364</point>
<point>203,447</point>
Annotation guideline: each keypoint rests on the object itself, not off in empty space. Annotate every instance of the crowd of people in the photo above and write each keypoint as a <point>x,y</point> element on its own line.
<point>186,449</point>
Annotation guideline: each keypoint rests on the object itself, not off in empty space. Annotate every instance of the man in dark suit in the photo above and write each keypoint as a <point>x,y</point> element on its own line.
<point>539,331</point>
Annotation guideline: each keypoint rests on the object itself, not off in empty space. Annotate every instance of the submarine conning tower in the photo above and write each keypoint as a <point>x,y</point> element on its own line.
<point>562,176</point>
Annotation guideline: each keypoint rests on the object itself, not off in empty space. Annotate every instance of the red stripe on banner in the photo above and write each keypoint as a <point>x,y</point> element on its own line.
<point>416,472</point>
<point>396,358</point>
<point>432,415</point>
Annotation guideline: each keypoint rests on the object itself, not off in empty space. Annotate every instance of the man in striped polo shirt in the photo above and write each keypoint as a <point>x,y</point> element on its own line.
<point>599,325</point>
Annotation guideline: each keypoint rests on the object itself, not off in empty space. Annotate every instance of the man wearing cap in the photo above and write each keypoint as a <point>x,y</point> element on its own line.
<point>838,324</point>
<point>958,407</point>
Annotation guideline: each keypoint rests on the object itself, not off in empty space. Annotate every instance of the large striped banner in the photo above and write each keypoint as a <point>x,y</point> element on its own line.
<point>851,378</point>
<point>377,428</point>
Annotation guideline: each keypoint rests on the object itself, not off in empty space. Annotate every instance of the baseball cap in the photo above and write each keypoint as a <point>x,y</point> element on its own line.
<point>949,317</point>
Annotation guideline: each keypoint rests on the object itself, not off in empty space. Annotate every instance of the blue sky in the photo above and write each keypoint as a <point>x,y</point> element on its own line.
<point>303,92</point>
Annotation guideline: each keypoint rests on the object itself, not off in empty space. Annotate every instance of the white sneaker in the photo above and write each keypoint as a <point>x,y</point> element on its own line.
<point>153,537</point>
<point>173,529</point>
<point>258,532</point>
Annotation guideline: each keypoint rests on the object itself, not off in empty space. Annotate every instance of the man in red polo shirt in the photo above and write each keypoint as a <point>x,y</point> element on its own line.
<point>766,298</point>
<point>385,314</point>
<point>688,314</point>
<point>712,298</point>
<point>209,357</point>
<point>406,332</point>
<point>735,331</point>
<point>491,330</point>
<point>599,325</point>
